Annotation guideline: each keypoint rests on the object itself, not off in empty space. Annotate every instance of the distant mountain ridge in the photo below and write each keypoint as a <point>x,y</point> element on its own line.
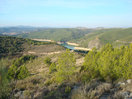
<point>19,29</point>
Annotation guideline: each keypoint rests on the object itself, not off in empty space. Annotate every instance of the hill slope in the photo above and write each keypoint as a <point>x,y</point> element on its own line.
<point>88,38</point>
<point>98,38</point>
<point>11,46</point>
<point>57,34</point>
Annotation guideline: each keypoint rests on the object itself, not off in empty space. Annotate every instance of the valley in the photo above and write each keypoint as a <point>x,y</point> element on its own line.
<point>44,68</point>
<point>65,49</point>
<point>87,38</point>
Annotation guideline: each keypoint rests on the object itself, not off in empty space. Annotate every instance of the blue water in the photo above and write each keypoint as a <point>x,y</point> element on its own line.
<point>68,46</point>
<point>73,48</point>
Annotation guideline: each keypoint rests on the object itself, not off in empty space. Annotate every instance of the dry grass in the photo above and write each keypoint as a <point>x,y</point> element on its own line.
<point>92,90</point>
<point>44,49</point>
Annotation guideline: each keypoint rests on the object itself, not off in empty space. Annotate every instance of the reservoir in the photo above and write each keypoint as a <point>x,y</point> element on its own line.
<point>68,46</point>
<point>71,47</point>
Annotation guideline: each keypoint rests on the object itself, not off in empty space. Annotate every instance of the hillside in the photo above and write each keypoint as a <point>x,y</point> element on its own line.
<point>117,37</point>
<point>17,30</point>
<point>62,34</point>
<point>88,38</point>
<point>68,75</point>
<point>12,46</point>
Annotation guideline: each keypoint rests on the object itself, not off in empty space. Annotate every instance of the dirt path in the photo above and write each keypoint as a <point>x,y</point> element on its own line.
<point>45,53</point>
<point>45,40</point>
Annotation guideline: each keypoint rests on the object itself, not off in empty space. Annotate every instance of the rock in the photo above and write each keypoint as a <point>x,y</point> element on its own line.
<point>94,43</point>
<point>127,95</point>
<point>130,94</point>
<point>129,81</point>
<point>19,95</point>
<point>120,84</point>
<point>129,98</point>
<point>105,96</point>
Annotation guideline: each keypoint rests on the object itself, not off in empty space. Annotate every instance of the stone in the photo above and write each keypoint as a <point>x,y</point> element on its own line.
<point>130,94</point>
<point>120,84</point>
<point>129,81</point>
<point>19,95</point>
<point>125,94</point>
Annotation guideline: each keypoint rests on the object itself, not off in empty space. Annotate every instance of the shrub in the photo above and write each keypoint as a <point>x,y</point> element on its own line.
<point>22,60</point>
<point>47,61</point>
<point>68,89</point>
<point>52,68</point>
<point>22,72</point>
<point>4,81</point>
<point>12,72</point>
<point>17,72</point>
<point>109,63</point>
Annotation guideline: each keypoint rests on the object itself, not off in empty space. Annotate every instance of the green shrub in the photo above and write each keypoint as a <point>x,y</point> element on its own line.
<point>22,72</point>
<point>47,61</point>
<point>109,63</point>
<point>17,72</point>
<point>52,68</point>
<point>4,81</point>
<point>22,60</point>
<point>12,72</point>
<point>68,89</point>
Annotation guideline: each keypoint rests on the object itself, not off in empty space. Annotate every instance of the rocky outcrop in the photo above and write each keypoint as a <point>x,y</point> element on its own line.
<point>94,43</point>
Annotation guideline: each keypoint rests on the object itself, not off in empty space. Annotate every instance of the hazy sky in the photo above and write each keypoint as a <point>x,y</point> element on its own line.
<point>66,13</point>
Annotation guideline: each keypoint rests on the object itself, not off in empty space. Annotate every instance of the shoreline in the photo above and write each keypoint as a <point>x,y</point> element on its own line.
<point>74,44</point>
<point>43,40</point>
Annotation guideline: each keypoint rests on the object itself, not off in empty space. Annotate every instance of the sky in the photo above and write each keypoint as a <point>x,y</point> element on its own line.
<point>66,13</point>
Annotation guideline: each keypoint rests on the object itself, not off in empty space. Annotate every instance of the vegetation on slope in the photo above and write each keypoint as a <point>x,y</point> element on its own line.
<point>4,81</point>
<point>109,63</point>
<point>58,34</point>
<point>12,46</point>
<point>17,30</point>
<point>117,37</point>
<point>86,37</point>
<point>58,74</point>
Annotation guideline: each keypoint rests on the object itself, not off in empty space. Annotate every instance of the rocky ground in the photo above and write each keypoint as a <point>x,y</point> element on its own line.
<point>93,90</point>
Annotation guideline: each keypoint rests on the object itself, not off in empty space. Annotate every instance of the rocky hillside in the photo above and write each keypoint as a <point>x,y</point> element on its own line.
<point>100,74</point>
<point>116,37</point>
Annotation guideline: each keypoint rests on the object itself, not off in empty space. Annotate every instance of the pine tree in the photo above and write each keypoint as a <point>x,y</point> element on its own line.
<point>65,66</point>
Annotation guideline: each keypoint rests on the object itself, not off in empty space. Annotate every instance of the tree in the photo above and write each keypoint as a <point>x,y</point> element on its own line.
<point>109,63</point>
<point>90,64</point>
<point>65,66</point>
